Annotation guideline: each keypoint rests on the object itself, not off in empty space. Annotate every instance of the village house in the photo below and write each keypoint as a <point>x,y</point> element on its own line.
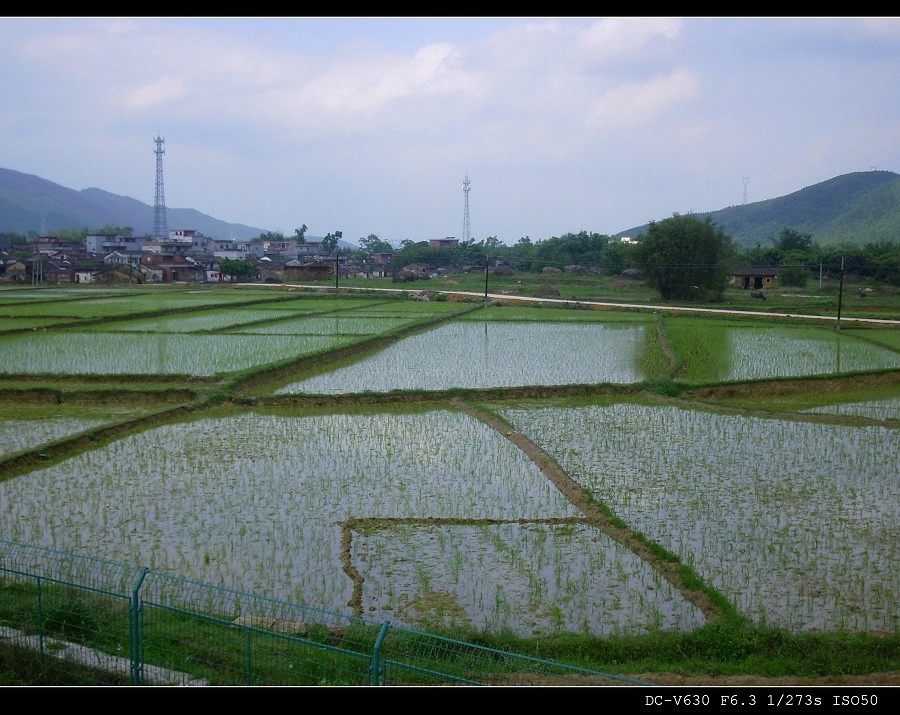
<point>754,278</point>
<point>308,271</point>
<point>167,267</point>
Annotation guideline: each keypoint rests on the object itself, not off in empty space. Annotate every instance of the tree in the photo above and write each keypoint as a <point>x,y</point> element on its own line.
<point>793,270</point>
<point>300,233</point>
<point>616,255</point>
<point>685,258</point>
<point>330,242</point>
<point>14,239</point>
<point>269,236</point>
<point>791,240</point>
<point>372,244</point>
<point>237,268</point>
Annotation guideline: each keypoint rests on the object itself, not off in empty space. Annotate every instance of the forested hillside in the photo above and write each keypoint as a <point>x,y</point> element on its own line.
<point>849,210</point>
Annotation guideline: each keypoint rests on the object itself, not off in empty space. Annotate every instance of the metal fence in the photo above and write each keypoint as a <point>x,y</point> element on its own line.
<point>104,622</point>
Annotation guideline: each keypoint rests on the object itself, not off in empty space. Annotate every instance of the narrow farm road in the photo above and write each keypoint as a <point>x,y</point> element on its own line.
<point>603,304</point>
<point>670,570</point>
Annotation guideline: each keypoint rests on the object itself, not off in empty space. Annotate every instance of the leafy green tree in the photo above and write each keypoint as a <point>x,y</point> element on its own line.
<point>581,248</point>
<point>269,236</point>
<point>616,256</point>
<point>685,258</point>
<point>521,253</point>
<point>237,268</point>
<point>791,240</point>
<point>114,230</point>
<point>330,242</point>
<point>69,234</point>
<point>300,234</point>
<point>372,244</point>
<point>793,270</point>
<point>883,261</point>
<point>413,252</point>
<point>757,256</point>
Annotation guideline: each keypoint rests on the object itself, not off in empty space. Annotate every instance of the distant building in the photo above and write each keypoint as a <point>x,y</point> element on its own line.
<point>167,267</point>
<point>310,248</point>
<point>288,247</point>
<point>754,278</point>
<point>448,242</point>
<point>104,243</point>
<point>315,270</point>
<point>50,245</point>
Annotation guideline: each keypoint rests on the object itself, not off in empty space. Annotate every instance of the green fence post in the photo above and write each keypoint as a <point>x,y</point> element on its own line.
<point>40,618</point>
<point>248,666</point>
<point>137,631</point>
<point>375,672</point>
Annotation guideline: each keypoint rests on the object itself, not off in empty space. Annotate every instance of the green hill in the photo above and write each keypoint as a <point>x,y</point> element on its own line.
<point>850,210</point>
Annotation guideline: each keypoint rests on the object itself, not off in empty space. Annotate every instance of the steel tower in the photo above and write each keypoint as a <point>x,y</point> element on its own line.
<point>467,232</point>
<point>160,226</point>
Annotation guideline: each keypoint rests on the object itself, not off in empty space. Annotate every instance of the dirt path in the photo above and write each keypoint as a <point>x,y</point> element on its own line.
<point>671,571</point>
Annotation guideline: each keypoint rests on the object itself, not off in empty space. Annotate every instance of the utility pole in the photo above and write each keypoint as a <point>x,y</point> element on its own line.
<point>337,272</point>
<point>486,263</point>
<point>467,232</point>
<point>840,294</point>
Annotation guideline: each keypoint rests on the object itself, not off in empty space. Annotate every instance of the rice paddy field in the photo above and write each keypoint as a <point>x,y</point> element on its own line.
<point>448,465</point>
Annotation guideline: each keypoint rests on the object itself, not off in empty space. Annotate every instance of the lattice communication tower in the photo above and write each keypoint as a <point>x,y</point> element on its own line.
<point>746,180</point>
<point>160,226</point>
<point>467,231</point>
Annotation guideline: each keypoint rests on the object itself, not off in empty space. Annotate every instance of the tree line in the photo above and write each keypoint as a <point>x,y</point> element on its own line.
<point>683,257</point>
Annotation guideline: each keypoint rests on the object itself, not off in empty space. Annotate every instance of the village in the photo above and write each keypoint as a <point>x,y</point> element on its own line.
<point>185,256</point>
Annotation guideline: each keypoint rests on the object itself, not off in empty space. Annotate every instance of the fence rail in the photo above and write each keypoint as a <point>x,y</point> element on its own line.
<point>133,626</point>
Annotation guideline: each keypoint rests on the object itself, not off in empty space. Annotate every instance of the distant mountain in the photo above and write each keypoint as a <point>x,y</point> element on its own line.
<point>29,203</point>
<point>849,210</point>
<point>853,209</point>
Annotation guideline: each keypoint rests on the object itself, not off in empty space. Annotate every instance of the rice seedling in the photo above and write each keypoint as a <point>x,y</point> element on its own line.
<point>478,355</point>
<point>725,351</point>
<point>151,354</point>
<point>763,509</point>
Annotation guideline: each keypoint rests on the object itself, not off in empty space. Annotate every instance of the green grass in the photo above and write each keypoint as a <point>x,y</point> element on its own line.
<point>212,648</point>
<point>722,649</point>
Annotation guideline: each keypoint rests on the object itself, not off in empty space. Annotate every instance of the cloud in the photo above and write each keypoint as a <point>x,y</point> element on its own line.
<point>366,87</point>
<point>164,91</point>
<point>634,104</point>
<point>370,124</point>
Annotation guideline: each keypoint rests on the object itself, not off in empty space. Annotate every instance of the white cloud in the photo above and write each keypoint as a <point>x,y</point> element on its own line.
<point>634,104</point>
<point>164,91</point>
<point>625,36</point>
<point>349,122</point>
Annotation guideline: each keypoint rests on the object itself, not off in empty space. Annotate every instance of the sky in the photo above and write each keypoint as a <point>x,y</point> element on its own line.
<point>370,125</point>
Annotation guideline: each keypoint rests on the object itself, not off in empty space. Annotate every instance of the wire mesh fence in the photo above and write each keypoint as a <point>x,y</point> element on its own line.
<point>103,622</point>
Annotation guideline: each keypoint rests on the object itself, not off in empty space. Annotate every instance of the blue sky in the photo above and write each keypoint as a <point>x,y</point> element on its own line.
<point>369,125</point>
